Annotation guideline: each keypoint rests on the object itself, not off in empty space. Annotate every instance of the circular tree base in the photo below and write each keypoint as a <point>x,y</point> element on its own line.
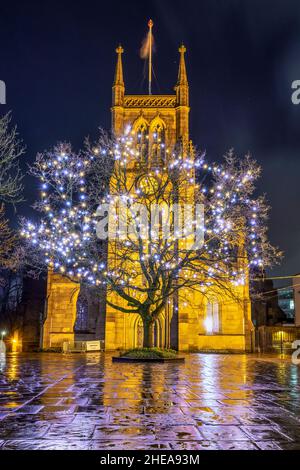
<point>148,359</point>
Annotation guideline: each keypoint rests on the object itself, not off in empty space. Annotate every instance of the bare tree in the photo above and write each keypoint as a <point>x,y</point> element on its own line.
<point>11,289</point>
<point>10,189</point>
<point>10,151</point>
<point>7,239</point>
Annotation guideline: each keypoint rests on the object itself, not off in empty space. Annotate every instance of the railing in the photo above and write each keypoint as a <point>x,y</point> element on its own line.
<point>276,338</point>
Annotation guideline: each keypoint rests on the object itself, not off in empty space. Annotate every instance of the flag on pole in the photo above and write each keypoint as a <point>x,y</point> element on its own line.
<point>146,53</point>
<point>148,43</point>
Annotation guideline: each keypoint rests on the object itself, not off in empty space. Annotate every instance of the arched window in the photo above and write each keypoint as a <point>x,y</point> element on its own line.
<point>139,333</point>
<point>158,150</point>
<point>82,311</point>
<point>141,129</point>
<point>212,322</point>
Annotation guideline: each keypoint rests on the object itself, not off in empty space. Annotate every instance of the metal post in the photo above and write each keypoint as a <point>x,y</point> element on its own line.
<point>150,24</point>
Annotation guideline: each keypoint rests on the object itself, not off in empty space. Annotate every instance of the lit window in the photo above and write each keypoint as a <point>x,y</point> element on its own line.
<point>212,319</point>
<point>158,143</point>
<point>142,142</point>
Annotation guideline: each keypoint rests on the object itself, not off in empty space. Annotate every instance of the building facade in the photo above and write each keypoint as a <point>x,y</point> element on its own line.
<point>286,303</point>
<point>296,289</point>
<point>192,321</point>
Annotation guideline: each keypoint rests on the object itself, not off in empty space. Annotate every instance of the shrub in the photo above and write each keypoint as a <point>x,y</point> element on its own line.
<point>149,353</point>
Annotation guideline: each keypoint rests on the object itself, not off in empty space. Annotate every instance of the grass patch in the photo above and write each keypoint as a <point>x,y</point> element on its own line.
<point>149,353</point>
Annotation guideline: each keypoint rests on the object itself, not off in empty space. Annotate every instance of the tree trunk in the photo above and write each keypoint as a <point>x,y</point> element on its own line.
<point>148,334</point>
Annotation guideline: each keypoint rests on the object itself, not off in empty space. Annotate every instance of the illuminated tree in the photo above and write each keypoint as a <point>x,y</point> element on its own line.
<point>154,250</point>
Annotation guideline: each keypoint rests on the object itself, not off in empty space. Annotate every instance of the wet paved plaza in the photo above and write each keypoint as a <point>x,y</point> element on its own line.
<point>52,401</point>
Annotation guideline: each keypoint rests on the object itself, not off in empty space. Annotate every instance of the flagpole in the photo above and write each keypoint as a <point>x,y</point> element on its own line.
<point>150,24</point>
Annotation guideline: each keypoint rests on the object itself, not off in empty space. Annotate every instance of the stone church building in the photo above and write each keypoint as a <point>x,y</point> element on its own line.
<point>213,322</point>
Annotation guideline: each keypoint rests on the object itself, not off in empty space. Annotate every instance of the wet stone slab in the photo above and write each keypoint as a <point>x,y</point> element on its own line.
<point>211,402</point>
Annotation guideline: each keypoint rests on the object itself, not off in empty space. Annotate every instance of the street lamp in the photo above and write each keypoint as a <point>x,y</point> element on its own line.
<point>3,333</point>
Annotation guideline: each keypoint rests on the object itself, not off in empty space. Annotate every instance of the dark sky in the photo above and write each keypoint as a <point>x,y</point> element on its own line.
<point>57,59</point>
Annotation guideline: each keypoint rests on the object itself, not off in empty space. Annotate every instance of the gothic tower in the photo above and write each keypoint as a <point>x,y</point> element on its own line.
<point>166,116</point>
<point>191,322</point>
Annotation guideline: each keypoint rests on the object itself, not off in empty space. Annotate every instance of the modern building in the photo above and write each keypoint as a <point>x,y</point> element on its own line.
<point>268,302</point>
<point>296,288</point>
<point>287,303</point>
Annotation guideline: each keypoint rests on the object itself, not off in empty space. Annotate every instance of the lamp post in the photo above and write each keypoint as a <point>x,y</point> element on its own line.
<point>3,333</point>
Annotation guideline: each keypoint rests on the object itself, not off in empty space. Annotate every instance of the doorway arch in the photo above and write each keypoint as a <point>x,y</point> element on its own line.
<point>138,333</point>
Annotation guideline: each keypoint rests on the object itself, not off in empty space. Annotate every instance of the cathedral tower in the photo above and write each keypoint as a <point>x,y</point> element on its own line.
<point>191,322</point>
<point>152,118</point>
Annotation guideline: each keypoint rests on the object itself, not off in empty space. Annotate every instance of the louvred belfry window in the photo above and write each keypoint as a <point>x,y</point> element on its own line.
<point>142,145</point>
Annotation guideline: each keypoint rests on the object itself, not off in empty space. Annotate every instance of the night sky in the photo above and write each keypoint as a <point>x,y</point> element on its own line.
<point>57,60</point>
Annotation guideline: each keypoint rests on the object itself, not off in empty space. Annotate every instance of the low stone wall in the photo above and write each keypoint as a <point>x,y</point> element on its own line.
<point>222,342</point>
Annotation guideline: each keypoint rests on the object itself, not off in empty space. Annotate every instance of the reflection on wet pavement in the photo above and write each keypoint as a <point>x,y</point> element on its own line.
<point>53,401</point>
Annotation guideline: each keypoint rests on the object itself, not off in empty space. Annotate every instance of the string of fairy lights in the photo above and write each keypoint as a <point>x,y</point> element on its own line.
<point>67,229</point>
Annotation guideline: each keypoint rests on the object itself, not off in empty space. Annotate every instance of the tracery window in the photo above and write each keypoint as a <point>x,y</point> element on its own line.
<point>142,141</point>
<point>158,143</point>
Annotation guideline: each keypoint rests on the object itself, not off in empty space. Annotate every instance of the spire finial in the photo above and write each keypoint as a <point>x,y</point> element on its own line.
<point>182,76</point>
<point>182,49</point>
<point>119,68</point>
<point>119,49</point>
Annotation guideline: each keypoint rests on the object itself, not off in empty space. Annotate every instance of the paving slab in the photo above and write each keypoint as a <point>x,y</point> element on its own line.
<point>209,402</point>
